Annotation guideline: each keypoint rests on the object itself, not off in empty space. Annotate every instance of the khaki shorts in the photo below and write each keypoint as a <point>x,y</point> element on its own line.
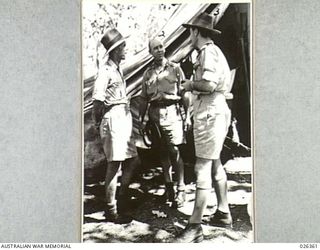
<point>170,123</point>
<point>211,123</point>
<point>116,134</point>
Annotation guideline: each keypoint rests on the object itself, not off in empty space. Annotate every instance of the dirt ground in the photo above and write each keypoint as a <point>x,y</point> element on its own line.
<point>157,222</point>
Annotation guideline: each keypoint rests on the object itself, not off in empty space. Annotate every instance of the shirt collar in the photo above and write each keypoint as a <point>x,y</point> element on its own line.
<point>166,64</point>
<point>112,63</point>
<point>205,45</point>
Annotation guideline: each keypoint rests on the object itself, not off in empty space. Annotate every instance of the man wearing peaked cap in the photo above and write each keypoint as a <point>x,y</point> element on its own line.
<point>112,117</point>
<point>211,122</point>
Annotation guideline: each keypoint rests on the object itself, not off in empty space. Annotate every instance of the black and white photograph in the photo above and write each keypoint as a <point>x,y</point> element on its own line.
<point>167,122</point>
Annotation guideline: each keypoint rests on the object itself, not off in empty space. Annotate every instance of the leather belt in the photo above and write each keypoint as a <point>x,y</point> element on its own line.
<point>163,104</point>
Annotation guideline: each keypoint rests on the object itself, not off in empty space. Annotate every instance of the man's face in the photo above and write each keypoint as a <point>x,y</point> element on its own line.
<point>121,51</point>
<point>193,36</point>
<point>156,49</point>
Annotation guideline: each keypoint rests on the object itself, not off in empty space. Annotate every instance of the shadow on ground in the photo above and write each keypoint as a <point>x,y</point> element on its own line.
<point>154,221</point>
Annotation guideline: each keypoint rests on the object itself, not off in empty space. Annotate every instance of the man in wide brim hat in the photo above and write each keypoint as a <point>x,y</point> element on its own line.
<point>109,41</point>
<point>211,117</point>
<point>112,39</point>
<point>113,120</point>
<point>204,22</point>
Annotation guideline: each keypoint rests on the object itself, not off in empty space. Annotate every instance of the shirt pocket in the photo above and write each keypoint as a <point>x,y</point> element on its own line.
<point>212,112</point>
<point>170,78</point>
<point>151,86</point>
<point>116,89</point>
<point>106,125</point>
<point>206,115</point>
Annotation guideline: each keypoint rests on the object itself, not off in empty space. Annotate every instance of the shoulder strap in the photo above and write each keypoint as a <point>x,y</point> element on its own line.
<point>176,68</point>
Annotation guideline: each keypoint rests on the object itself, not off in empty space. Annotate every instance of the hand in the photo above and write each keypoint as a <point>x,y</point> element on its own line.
<point>92,133</point>
<point>96,129</point>
<point>141,127</point>
<point>188,123</point>
<point>187,85</point>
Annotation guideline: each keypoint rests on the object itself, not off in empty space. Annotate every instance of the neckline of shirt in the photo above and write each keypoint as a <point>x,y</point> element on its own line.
<point>205,45</point>
<point>166,64</point>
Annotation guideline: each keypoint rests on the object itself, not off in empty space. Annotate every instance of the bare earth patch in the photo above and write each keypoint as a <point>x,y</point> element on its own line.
<point>157,222</point>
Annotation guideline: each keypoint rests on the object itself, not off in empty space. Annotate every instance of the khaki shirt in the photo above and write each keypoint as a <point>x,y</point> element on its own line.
<point>211,65</point>
<point>110,86</point>
<point>163,85</point>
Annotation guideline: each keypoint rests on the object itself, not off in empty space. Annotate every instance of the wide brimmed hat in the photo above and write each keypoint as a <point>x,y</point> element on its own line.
<point>203,21</point>
<point>112,39</point>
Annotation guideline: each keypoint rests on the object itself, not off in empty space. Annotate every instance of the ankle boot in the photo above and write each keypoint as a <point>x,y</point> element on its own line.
<point>124,210</point>
<point>121,207</point>
<point>110,213</point>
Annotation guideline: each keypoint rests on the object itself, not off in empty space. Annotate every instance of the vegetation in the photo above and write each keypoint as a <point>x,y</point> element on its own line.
<point>139,22</point>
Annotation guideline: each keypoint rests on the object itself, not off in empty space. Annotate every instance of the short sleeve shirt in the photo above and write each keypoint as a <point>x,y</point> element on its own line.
<point>110,86</point>
<point>163,84</point>
<point>211,65</point>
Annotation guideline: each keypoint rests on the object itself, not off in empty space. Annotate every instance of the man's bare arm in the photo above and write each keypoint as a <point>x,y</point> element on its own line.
<point>143,104</point>
<point>97,112</point>
<point>200,85</point>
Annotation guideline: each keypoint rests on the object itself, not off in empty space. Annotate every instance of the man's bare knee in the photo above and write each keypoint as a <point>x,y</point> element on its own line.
<point>219,175</point>
<point>173,153</point>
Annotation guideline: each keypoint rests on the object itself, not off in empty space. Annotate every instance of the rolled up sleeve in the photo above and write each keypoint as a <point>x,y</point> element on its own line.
<point>210,66</point>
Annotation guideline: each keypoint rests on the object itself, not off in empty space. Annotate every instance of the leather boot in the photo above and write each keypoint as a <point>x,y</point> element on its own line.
<point>122,204</point>
<point>191,234</point>
<point>110,213</point>
<point>123,208</point>
<point>221,219</point>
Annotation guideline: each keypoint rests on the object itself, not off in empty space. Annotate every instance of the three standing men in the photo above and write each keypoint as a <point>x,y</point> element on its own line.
<point>211,121</point>
<point>112,116</point>
<point>162,89</point>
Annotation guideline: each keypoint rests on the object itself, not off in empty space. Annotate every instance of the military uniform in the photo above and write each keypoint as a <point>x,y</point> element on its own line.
<point>211,113</point>
<point>162,90</point>
<point>116,124</point>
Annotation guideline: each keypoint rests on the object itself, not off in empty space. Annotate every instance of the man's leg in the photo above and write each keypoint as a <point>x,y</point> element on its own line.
<point>110,189</point>
<point>177,163</point>
<point>193,231</point>
<point>222,217</point>
<point>166,167</point>
<point>203,186</point>
<point>219,178</point>
<point>128,168</point>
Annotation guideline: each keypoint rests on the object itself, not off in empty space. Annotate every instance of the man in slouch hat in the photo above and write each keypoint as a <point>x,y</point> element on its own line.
<point>211,121</point>
<point>112,117</point>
